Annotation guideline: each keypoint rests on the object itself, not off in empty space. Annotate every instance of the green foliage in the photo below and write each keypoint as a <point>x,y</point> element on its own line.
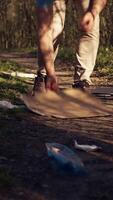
<point>18,24</point>
<point>66,55</point>
<point>9,66</point>
<point>104,62</point>
<point>11,87</point>
<point>19,50</point>
<point>105,57</point>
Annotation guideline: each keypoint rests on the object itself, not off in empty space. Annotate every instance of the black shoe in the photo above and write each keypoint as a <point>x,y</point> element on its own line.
<point>81,84</point>
<point>39,83</point>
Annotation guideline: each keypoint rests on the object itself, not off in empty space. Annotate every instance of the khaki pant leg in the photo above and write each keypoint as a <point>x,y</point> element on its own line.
<point>58,23</point>
<point>87,46</point>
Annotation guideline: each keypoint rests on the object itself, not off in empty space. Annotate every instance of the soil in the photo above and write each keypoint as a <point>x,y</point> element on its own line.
<point>24,155</point>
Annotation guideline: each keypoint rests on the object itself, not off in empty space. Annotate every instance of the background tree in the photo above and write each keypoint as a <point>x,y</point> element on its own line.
<point>18,25</point>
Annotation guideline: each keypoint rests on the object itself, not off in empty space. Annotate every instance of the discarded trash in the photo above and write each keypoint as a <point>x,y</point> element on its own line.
<point>23,75</point>
<point>64,160</point>
<point>87,148</point>
<point>20,74</point>
<point>7,104</point>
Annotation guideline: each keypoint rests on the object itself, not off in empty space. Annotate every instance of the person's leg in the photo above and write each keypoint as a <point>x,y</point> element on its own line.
<point>51,17</point>
<point>87,46</point>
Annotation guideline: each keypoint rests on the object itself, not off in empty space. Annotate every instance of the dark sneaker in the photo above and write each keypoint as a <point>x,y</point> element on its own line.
<point>81,84</point>
<point>39,83</point>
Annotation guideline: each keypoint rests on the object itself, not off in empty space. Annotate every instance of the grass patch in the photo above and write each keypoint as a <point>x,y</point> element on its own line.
<point>11,89</point>
<point>66,55</point>
<point>20,50</point>
<point>104,61</point>
<point>105,57</point>
<point>9,66</point>
<point>13,83</point>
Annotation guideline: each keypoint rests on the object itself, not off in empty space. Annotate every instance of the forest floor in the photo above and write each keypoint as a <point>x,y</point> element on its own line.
<point>25,170</point>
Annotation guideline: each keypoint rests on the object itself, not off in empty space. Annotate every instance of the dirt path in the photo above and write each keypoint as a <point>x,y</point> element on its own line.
<point>25,59</point>
<point>64,71</point>
<point>23,154</point>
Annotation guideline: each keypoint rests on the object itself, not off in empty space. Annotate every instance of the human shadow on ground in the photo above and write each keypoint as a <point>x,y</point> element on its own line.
<point>23,144</point>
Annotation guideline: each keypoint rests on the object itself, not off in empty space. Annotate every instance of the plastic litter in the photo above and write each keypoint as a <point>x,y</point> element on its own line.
<point>20,74</point>
<point>85,147</point>
<point>64,160</point>
<point>7,104</point>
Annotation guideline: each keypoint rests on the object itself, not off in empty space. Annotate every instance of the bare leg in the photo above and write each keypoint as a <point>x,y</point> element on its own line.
<point>50,25</point>
<point>51,17</point>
